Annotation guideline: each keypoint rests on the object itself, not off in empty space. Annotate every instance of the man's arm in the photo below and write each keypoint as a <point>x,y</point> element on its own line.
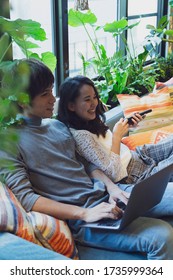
<point>18,181</point>
<point>64,211</point>
<point>59,210</point>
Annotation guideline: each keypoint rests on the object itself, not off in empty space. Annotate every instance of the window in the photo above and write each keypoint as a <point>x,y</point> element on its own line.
<point>38,11</point>
<point>104,11</point>
<point>147,12</point>
<point>67,42</point>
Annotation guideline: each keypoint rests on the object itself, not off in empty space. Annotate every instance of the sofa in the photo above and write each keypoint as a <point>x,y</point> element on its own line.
<point>36,236</point>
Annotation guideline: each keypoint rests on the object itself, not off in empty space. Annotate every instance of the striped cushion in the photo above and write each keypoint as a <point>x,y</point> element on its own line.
<point>53,234</point>
<point>160,101</point>
<point>147,137</point>
<point>13,217</point>
<point>36,227</point>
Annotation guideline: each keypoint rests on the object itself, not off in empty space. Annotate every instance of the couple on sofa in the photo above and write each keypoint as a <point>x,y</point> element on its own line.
<point>50,177</point>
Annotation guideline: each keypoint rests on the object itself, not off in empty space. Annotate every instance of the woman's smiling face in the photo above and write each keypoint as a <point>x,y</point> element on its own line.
<point>85,104</point>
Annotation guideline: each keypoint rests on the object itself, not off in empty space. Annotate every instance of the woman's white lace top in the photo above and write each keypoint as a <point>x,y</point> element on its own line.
<point>98,151</point>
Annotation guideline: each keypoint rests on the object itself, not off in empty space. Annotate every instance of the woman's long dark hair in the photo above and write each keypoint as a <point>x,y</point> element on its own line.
<point>69,92</point>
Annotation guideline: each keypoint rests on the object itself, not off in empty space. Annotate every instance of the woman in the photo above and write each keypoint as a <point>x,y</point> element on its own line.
<point>80,109</point>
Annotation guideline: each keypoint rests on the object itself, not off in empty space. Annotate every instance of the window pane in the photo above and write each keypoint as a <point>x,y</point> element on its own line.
<point>137,34</point>
<point>78,39</point>
<point>139,7</point>
<point>36,10</point>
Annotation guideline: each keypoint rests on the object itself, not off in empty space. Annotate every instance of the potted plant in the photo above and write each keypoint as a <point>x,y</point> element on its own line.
<point>120,74</point>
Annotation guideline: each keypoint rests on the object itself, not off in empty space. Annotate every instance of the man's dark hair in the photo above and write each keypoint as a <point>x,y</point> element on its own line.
<point>40,77</point>
<point>28,75</point>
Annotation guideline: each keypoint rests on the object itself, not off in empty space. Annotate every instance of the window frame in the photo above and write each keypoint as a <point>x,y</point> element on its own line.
<point>60,39</point>
<point>123,12</point>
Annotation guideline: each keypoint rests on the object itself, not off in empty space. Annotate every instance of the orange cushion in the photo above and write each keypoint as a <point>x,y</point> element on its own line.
<point>13,218</point>
<point>53,234</point>
<point>36,227</point>
<point>148,137</point>
<point>160,101</point>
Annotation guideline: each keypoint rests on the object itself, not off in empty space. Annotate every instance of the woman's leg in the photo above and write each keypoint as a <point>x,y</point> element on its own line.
<point>153,237</point>
<point>162,209</point>
<point>161,151</point>
<point>149,159</point>
<point>165,207</point>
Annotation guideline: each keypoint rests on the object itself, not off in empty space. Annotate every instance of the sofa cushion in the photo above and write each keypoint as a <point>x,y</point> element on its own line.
<point>160,101</point>
<point>53,234</point>
<point>39,228</point>
<point>13,217</point>
<point>148,137</point>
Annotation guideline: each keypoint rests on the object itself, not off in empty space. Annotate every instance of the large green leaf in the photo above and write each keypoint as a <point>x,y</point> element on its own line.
<point>133,25</point>
<point>4,43</point>
<point>116,26</point>
<point>20,28</point>
<point>149,26</point>
<point>169,32</point>
<point>163,22</point>
<point>143,56</point>
<point>26,44</point>
<point>77,18</point>
<point>47,58</point>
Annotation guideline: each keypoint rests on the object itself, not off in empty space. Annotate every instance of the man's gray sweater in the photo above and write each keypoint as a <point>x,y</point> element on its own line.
<point>47,165</point>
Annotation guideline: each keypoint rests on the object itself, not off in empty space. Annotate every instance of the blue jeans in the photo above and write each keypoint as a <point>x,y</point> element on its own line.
<point>148,235</point>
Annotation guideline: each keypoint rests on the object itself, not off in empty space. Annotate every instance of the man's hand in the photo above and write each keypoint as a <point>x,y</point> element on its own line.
<point>102,210</point>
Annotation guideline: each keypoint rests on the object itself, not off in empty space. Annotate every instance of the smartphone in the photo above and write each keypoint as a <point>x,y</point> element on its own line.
<point>130,121</point>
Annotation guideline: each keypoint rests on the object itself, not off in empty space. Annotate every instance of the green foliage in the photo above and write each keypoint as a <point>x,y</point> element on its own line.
<point>165,67</point>
<point>160,32</point>
<point>26,34</point>
<point>77,18</point>
<point>11,93</point>
<point>120,74</point>
<point>4,43</point>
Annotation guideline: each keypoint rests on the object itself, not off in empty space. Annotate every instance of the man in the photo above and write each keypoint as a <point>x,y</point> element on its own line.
<point>49,178</point>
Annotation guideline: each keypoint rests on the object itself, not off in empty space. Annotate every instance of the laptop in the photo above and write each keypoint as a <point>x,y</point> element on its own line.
<point>144,196</point>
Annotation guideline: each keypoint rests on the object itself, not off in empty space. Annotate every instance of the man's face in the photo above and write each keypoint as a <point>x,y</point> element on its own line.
<point>42,105</point>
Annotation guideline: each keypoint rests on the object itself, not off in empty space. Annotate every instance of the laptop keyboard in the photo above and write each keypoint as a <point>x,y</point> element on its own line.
<point>109,222</point>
